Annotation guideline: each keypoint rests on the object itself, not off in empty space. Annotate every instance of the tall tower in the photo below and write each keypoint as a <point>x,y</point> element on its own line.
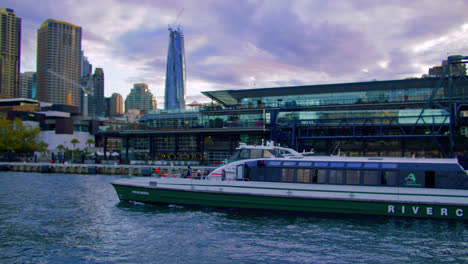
<point>59,63</point>
<point>10,45</point>
<point>174,97</point>
<point>96,101</point>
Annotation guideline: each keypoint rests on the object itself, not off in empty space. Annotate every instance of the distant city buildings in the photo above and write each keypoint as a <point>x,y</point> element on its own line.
<point>96,100</point>
<point>458,69</point>
<point>140,98</point>
<point>174,97</point>
<point>59,63</point>
<point>86,67</point>
<point>116,105</point>
<point>28,85</point>
<point>10,43</point>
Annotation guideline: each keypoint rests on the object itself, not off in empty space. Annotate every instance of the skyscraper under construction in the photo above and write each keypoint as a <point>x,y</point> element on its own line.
<point>59,63</point>
<point>174,97</point>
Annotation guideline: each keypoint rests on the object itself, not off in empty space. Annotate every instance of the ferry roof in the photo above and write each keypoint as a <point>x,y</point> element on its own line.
<point>233,97</point>
<point>379,159</point>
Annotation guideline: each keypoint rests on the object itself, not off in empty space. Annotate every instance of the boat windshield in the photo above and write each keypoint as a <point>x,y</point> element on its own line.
<point>252,154</point>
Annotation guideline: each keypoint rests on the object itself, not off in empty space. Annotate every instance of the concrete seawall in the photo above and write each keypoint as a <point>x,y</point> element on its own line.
<point>121,169</point>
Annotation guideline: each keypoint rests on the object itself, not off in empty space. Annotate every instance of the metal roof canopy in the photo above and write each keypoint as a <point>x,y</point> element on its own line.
<point>233,97</point>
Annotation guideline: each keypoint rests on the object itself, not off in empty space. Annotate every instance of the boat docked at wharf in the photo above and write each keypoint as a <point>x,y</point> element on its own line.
<point>274,178</point>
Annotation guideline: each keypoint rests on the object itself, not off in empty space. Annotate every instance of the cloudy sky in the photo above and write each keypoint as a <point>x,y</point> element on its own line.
<point>242,44</point>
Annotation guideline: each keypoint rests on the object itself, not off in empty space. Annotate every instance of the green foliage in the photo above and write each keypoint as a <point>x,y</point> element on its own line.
<point>18,138</point>
<point>74,141</point>
<point>90,142</point>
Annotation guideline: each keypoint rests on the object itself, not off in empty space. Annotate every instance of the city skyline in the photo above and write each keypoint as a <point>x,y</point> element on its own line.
<point>255,44</point>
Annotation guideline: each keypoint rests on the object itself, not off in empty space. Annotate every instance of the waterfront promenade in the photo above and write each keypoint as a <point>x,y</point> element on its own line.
<point>115,169</point>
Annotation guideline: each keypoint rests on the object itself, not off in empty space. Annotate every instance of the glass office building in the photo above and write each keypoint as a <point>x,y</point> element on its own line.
<point>174,97</point>
<point>397,118</point>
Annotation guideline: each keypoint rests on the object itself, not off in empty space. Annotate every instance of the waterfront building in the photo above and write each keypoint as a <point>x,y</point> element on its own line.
<point>140,98</point>
<point>10,46</point>
<point>28,85</point>
<point>410,117</point>
<point>174,97</point>
<point>116,105</point>
<point>96,102</point>
<point>59,63</point>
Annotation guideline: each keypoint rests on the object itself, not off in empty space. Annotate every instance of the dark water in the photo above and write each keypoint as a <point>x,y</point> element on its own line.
<point>66,218</point>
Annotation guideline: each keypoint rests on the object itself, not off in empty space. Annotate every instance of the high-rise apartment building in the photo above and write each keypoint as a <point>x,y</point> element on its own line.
<point>10,46</point>
<point>27,85</point>
<point>96,100</point>
<point>174,97</point>
<point>140,98</point>
<point>59,63</point>
<point>116,105</point>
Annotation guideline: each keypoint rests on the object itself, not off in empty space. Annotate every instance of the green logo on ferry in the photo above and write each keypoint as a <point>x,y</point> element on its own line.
<point>410,180</point>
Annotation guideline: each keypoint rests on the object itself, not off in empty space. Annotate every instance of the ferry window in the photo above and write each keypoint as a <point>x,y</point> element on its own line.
<point>335,177</point>
<point>371,165</point>
<point>353,178</point>
<point>389,166</point>
<point>273,163</point>
<point>371,177</point>
<point>268,154</point>
<point>337,164</point>
<point>291,175</point>
<point>256,153</point>
<point>275,175</point>
<point>262,172</point>
<point>430,179</point>
<point>287,175</point>
<point>289,163</point>
<point>300,175</point>
<point>354,165</point>
<point>305,164</point>
<point>244,154</point>
<point>389,178</point>
<point>303,175</point>
<point>321,176</point>
<point>307,176</point>
<point>321,164</point>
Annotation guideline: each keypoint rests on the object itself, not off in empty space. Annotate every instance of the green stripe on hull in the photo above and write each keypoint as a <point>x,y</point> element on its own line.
<point>171,196</point>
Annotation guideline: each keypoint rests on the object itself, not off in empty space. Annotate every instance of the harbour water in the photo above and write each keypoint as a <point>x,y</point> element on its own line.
<point>77,218</point>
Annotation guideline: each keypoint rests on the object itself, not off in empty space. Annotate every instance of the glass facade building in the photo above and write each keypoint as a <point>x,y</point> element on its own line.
<point>96,102</point>
<point>174,97</point>
<point>379,118</point>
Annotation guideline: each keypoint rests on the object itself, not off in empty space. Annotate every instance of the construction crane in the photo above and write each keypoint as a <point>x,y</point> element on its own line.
<point>176,20</point>
<point>87,90</point>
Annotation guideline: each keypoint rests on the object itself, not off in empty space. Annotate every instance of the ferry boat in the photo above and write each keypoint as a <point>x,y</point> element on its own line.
<point>289,181</point>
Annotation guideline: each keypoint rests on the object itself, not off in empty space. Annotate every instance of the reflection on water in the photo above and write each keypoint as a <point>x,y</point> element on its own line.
<point>62,218</point>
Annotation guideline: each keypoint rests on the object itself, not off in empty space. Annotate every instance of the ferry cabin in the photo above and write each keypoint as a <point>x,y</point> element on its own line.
<point>396,172</point>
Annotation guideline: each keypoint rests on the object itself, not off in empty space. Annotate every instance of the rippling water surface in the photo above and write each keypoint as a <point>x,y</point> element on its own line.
<point>68,218</point>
